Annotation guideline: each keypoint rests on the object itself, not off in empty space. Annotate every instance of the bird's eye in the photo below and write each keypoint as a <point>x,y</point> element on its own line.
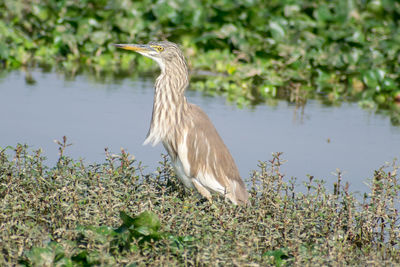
<point>159,48</point>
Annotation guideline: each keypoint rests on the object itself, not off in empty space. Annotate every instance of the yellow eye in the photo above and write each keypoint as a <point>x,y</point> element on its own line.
<point>158,48</point>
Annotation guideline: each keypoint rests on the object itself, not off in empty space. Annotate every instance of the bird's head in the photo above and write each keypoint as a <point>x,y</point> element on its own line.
<point>164,52</point>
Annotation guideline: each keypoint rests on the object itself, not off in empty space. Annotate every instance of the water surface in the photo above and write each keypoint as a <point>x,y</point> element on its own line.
<point>94,115</point>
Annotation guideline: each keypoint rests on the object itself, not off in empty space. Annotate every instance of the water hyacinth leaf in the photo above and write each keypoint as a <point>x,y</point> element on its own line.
<point>268,90</point>
<point>380,74</point>
<point>93,22</point>
<point>4,52</point>
<point>105,61</point>
<point>277,31</point>
<point>389,4</point>
<point>127,60</point>
<point>100,37</point>
<point>164,10</point>
<point>84,31</point>
<point>323,13</point>
<point>198,17</point>
<point>228,30</point>
<point>105,14</point>
<point>389,84</point>
<point>375,6</point>
<point>291,9</point>
<point>371,79</point>
<point>124,24</point>
<point>356,37</point>
<point>41,12</point>
<point>380,99</point>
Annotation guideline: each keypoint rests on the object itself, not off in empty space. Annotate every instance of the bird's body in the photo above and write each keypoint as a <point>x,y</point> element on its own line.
<point>199,156</point>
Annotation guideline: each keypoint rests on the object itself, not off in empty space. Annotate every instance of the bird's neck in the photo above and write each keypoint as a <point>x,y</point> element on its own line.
<point>170,104</point>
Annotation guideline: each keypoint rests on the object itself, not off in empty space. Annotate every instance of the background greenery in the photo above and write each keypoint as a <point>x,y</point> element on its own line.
<point>334,50</point>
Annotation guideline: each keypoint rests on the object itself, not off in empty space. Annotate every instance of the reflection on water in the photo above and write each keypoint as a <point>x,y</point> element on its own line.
<point>315,139</point>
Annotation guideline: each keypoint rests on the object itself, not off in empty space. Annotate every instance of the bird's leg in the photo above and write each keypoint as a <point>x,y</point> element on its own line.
<point>202,190</point>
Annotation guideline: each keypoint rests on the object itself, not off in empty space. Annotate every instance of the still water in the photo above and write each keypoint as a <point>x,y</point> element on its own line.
<point>94,115</point>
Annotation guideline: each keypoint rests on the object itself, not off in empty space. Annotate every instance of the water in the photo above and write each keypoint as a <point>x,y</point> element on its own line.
<point>115,114</point>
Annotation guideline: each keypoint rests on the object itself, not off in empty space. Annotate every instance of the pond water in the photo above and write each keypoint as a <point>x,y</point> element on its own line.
<point>93,115</point>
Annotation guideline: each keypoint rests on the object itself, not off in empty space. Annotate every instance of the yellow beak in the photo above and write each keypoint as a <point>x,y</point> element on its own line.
<point>134,47</point>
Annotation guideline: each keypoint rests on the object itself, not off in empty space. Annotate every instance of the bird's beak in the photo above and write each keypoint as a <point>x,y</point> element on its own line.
<point>135,47</point>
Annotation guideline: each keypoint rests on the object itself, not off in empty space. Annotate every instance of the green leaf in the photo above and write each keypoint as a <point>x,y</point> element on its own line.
<point>41,256</point>
<point>389,84</point>
<point>380,99</point>
<point>143,230</point>
<point>370,78</point>
<point>268,90</point>
<point>41,12</point>
<point>126,219</point>
<point>81,257</point>
<point>100,37</point>
<point>164,11</point>
<point>4,52</point>
<point>147,219</point>
<point>50,255</point>
<point>323,13</point>
<point>277,31</point>
<point>279,255</point>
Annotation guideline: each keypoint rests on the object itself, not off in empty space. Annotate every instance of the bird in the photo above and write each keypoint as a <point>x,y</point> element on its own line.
<point>198,155</point>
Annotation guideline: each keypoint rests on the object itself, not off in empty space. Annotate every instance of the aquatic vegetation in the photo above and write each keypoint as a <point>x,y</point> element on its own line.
<point>337,50</point>
<point>116,213</point>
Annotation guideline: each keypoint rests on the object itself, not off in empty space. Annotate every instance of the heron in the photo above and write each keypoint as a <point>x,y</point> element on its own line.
<point>200,158</point>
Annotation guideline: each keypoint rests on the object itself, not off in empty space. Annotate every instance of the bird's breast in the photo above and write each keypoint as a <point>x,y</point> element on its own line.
<point>180,172</point>
<point>179,160</point>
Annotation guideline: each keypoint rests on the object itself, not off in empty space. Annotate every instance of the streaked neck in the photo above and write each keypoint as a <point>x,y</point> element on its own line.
<point>170,103</point>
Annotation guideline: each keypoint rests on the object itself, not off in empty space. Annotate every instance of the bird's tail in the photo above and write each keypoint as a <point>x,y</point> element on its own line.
<point>238,194</point>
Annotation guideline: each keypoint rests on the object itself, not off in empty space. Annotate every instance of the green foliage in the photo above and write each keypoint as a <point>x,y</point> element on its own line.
<point>133,235</point>
<point>278,256</point>
<point>341,49</point>
<point>69,215</point>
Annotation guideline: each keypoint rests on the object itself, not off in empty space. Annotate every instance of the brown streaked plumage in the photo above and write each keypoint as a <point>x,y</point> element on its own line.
<point>199,156</point>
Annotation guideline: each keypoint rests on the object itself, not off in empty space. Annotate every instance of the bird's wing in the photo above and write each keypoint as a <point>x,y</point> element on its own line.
<point>205,156</point>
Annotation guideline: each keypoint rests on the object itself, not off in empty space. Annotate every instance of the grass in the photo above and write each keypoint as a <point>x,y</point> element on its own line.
<point>115,214</point>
